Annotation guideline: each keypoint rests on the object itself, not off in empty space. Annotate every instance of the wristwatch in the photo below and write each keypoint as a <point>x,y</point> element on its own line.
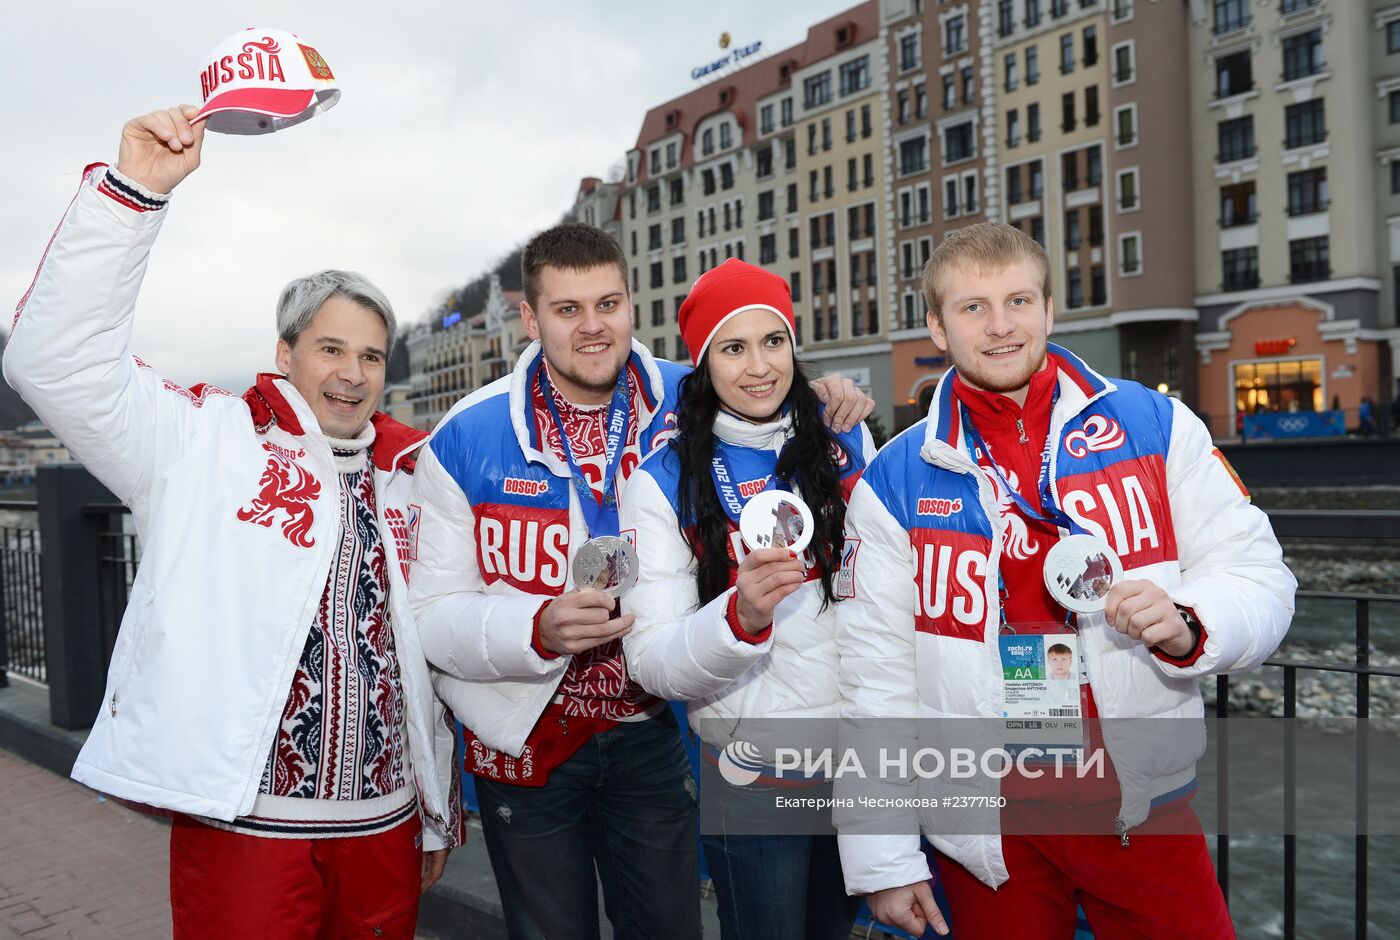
<point>1192,623</point>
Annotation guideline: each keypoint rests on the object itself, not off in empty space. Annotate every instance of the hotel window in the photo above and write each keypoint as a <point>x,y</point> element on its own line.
<point>1006,18</point>
<point>1394,101</point>
<point>1072,233</point>
<point>658,313</point>
<point>1009,72</point>
<point>653,237</point>
<point>654,198</point>
<point>902,106</point>
<point>816,91</point>
<point>1013,128</point>
<point>1236,139</point>
<point>786,108</point>
<point>1308,260</point>
<point>1124,67</point>
<point>1305,123</point>
<point>855,75</point>
<point>1234,74</point>
<point>921,100</point>
<point>726,139</point>
<point>1122,10</point>
<point>726,176</point>
<point>826,133</point>
<point>1307,191</point>
<point>1032,65</point>
<point>765,162</point>
<point>1230,15</point>
<point>707,142</point>
<point>1091,106</point>
<point>1037,184</point>
<point>794,243</point>
<point>678,230</point>
<point>1091,46</point>
<point>907,254</point>
<point>1240,267</point>
<point>1278,386</point>
<point>868,169</point>
<point>1076,288</point>
<point>1033,122</point>
<point>1032,14</point>
<point>1294,6</point>
<point>677,191</point>
<point>767,248</point>
<point>678,269</point>
<point>1014,194</point>
<point>913,156</point>
<point>954,35</point>
<point>1094,166</point>
<point>1395,177</point>
<point>1067,112</point>
<point>909,57</point>
<point>950,93</point>
<point>958,143</point>
<point>1066,53</point>
<point>1238,205</point>
<point>1392,37</point>
<point>1302,55</point>
<point>658,346</point>
<point>791,197</point>
<point>1130,254</point>
<point>1126,121</point>
<point>866,126</point>
<point>969,87</point>
<point>765,119</point>
<point>671,155</point>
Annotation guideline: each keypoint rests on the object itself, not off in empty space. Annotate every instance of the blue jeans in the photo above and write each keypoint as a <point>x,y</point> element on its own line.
<point>625,803</point>
<point>772,886</point>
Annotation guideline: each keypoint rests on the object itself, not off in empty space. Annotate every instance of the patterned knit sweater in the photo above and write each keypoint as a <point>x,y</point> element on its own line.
<point>339,765</point>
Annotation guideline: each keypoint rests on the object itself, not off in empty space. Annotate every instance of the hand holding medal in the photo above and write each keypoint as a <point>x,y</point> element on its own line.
<point>776,527</point>
<point>1085,575</point>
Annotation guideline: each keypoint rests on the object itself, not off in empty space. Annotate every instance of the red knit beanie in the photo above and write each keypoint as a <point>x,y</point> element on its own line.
<point>731,288</point>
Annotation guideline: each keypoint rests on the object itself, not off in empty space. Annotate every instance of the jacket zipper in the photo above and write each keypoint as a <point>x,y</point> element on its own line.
<point>1021,430</point>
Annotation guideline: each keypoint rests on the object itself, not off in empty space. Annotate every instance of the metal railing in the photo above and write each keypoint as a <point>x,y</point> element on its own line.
<point>21,608</point>
<point>1331,525</point>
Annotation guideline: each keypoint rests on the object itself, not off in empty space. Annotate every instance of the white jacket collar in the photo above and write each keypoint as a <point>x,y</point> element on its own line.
<point>770,436</point>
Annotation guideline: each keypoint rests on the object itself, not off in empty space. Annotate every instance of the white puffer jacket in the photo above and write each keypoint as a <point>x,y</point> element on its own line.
<point>681,650</point>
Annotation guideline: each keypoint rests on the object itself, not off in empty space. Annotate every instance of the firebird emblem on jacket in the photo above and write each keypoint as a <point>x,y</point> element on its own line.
<point>286,489</point>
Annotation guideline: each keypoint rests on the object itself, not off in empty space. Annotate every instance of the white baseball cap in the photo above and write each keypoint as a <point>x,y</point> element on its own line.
<point>262,80</point>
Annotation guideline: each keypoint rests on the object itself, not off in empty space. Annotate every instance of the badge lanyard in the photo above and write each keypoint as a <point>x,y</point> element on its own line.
<point>728,488</point>
<point>1053,514</point>
<point>600,516</point>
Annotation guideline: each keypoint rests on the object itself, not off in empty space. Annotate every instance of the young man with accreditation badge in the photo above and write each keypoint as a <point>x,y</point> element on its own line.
<point>516,588</point>
<point>1043,513</point>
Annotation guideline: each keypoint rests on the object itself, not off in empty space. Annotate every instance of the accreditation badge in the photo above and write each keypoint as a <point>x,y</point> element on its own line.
<point>1040,668</point>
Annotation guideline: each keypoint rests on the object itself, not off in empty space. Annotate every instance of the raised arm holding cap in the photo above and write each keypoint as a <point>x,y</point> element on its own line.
<point>267,686</point>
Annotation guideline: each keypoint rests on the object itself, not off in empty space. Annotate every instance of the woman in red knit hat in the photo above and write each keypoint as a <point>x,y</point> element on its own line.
<point>748,638</point>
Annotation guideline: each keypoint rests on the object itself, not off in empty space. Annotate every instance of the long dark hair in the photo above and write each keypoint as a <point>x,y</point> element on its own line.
<point>806,462</point>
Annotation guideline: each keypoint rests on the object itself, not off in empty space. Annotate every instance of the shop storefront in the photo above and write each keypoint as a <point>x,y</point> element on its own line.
<point>1279,359</point>
<point>917,365</point>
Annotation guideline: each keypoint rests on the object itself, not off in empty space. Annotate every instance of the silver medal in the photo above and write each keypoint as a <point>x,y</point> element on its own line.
<point>1079,570</point>
<point>776,519</point>
<point>606,563</point>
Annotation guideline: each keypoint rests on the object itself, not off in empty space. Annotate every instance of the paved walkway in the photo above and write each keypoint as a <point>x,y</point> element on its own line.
<point>75,865</point>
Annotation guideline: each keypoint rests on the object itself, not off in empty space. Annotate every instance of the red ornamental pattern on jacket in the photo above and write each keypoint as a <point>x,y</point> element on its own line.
<point>340,737</point>
<point>287,489</point>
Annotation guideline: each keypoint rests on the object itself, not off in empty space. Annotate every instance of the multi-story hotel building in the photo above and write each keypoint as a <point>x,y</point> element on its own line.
<point>782,164</point>
<point>1216,184</point>
<point>1035,118</point>
<point>1288,233</point>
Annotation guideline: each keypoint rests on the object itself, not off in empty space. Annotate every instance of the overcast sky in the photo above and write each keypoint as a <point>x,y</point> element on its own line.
<point>462,128</point>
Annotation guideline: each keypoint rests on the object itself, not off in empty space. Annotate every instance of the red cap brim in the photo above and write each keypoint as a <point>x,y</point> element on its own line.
<point>278,102</point>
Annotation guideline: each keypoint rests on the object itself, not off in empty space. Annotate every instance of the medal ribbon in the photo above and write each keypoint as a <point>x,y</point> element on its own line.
<point>728,488</point>
<point>1053,514</point>
<point>599,515</point>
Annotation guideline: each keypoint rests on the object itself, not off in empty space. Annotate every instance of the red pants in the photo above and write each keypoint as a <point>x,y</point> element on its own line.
<point>1161,886</point>
<point>230,885</point>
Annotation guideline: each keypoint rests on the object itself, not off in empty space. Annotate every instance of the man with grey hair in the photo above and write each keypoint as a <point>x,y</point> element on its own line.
<point>267,687</point>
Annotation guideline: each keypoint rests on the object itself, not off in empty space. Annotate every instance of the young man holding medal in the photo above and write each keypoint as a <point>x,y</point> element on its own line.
<point>520,567</point>
<point>1033,483</point>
